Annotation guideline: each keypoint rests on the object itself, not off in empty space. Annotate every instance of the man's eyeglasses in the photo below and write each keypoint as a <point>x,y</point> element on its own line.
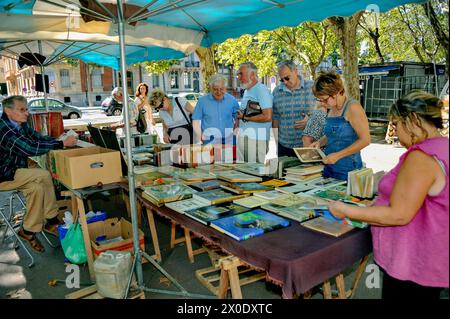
<point>285,79</point>
<point>324,101</point>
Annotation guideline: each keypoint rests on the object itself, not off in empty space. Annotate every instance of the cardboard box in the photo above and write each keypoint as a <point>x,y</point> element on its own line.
<point>82,167</point>
<point>112,228</point>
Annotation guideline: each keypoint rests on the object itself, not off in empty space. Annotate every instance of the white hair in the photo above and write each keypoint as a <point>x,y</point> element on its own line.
<point>251,67</point>
<point>217,78</point>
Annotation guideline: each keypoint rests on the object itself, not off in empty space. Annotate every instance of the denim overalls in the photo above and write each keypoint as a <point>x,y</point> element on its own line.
<point>340,135</point>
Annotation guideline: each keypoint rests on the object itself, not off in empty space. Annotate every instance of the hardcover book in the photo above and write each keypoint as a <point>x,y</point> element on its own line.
<point>207,185</point>
<point>270,195</point>
<point>326,226</point>
<point>251,201</point>
<point>294,189</point>
<point>309,154</point>
<point>148,178</point>
<point>185,205</point>
<point>161,194</point>
<point>218,196</point>
<point>205,215</point>
<point>275,183</point>
<point>245,188</point>
<point>249,224</point>
<point>326,182</point>
<point>236,177</point>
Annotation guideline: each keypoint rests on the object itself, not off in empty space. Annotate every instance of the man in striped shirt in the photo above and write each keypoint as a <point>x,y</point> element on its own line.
<point>17,143</point>
<point>293,100</point>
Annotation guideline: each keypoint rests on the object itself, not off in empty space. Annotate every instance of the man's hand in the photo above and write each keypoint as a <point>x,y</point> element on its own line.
<point>166,139</point>
<point>70,141</point>
<point>302,123</point>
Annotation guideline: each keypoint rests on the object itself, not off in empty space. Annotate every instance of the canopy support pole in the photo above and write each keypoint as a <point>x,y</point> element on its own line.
<point>44,85</point>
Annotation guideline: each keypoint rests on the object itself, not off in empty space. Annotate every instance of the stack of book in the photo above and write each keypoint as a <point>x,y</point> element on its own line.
<point>303,173</point>
<point>161,194</point>
<point>185,205</point>
<point>245,188</point>
<point>257,169</point>
<point>191,175</point>
<point>217,196</point>
<point>326,183</point>
<point>295,188</point>
<point>249,224</point>
<point>207,185</point>
<point>144,178</point>
<point>295,212</point>
<point>251,201</point>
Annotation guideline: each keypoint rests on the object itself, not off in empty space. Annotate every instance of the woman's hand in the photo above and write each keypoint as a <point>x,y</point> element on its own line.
<point>337,209</point>
<point>315,144</point>
<point>331,158</point>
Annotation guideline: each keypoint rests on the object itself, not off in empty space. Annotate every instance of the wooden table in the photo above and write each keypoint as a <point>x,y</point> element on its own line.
<point>295,257</point>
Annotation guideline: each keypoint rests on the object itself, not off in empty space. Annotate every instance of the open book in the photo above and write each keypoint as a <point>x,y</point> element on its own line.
<point>309,154</point>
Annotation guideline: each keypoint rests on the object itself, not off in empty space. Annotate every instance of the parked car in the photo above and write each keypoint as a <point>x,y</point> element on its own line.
<point>192,97</point>
<point>36,105</point>
<point>112,107</point>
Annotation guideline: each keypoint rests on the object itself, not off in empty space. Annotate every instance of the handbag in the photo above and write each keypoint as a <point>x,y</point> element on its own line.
<point>141,123</point>
<point>73,245</point>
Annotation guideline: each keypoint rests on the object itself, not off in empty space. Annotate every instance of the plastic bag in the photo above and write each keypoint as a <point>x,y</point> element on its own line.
<point>73,245</point>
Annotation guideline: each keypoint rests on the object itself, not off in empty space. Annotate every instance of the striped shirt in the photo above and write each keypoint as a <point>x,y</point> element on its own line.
<point>288,107</point>
<point>17,144</point>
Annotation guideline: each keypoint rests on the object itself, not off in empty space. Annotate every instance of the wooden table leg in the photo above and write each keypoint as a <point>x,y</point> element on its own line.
<point>231,266</point>
<point>223,285</point>
<point>151,222</point>
<point>87,242</point>
<point>340,284</point>
<point>358,274</point>
<point>327,290</point>
<point>187,236</point>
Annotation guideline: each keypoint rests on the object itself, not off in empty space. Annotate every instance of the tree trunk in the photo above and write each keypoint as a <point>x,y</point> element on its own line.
<point>207,65</point>
<point>345,29</point>
<point>441,35</point>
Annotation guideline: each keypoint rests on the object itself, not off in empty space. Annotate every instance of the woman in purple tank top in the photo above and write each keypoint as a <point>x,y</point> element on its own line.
<point>410,217</point>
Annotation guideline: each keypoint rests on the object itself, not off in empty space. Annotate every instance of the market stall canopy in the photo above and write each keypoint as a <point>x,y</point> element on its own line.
<point>27,52</point>
<point>181,25</point>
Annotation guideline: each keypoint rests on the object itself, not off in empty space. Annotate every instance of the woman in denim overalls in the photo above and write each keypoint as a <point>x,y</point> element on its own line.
<point>346,129</point>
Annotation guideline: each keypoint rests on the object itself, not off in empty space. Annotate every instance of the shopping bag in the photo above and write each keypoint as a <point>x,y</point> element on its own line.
<point>73,245</point>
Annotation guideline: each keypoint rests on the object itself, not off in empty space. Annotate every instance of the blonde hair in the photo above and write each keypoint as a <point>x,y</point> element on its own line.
<point>155,97</point>
<point>418,106</point>
<point>328,83</point>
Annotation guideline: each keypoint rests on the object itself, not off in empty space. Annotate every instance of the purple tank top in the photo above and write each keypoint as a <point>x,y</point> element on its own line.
<point>418,251</point>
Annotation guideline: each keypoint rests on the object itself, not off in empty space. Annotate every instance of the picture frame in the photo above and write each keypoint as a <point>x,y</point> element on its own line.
<point>309,154</point>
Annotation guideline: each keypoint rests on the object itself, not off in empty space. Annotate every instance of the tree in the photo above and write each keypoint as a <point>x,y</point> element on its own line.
<point>207,64</point>
<point>374,33</point>
<point>309,43</point>
<point>258,48</point>
<point>345,30</point>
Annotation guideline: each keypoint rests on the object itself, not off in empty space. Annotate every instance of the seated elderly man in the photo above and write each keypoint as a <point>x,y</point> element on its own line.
<point>215,114</point>
<point>17,142</point>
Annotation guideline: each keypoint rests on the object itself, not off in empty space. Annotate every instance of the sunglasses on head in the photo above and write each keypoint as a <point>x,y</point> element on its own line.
<point>160,106</point>
<point>285,79</point>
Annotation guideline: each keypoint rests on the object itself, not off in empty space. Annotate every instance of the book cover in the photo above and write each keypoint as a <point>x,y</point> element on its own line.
<point>297,214</point>
<point>327,226</point>
<point>249,224</point>
<point>270,195</point>
<point>235,177</point>
<point>161,194</point>
<point>275,183</point>
<point>148,178</point>
<point>207,185</point>
<point>245,188</point>
<point>185,205</point>
<point>326,182</point>
<point>309,154</point>
<point>294,189</point>
<point>251,201</point>
<point>205,215</point>
<point>218,196</point>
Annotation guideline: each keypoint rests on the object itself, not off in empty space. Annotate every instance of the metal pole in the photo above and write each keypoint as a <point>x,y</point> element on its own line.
<point>88,84</point>
<point>44,85</point>
<point>132,193</point>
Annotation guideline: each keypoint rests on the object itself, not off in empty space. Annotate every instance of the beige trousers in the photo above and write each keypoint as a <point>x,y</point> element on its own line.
<point>37,186</point>
<point>250,150</point>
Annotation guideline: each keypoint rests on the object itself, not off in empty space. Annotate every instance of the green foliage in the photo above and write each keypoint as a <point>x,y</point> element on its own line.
<point>159,67</point>
<point>406,34</point>
<point>258,49</point>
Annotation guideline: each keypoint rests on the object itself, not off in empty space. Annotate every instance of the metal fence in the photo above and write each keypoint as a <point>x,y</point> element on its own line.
<point>380,92</point>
